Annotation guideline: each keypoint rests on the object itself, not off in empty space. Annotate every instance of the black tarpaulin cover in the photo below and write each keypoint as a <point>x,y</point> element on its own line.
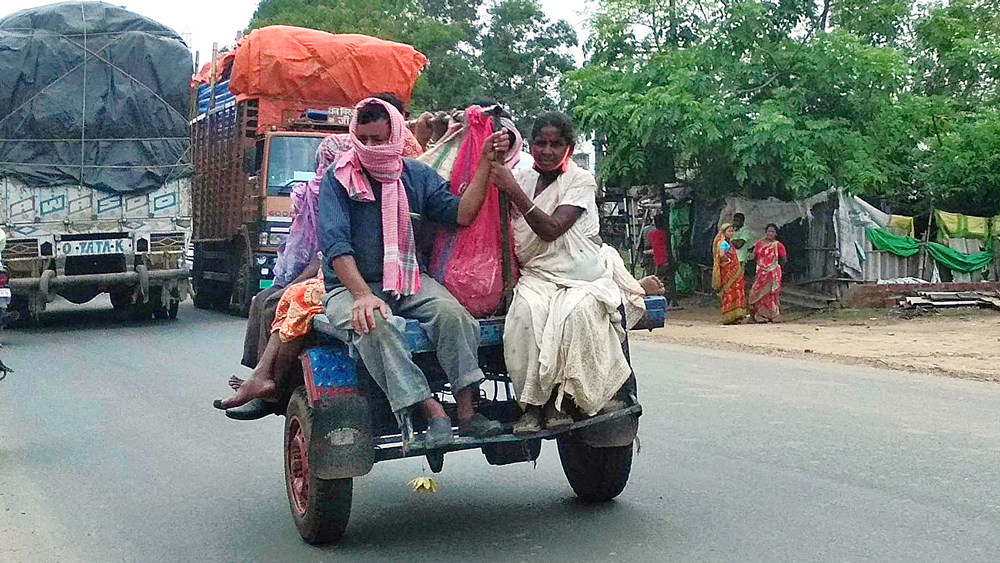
<point>113,120</point>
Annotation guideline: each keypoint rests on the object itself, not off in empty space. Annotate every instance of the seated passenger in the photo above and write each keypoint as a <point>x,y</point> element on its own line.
<point>297,270</point>
<point>563,332</point>
<point>373,277</point>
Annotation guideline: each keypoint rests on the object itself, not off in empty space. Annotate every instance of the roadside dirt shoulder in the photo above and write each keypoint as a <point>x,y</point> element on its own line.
<point>963,344</point>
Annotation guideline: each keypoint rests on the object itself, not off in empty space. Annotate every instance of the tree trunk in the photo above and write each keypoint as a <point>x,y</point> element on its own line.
<point>824,15</point>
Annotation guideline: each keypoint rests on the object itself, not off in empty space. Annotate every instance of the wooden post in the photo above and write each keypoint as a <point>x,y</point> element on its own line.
<point>211,82</point>
<point>193,102</point>
<point>506,258</point>
<point>923,246</point>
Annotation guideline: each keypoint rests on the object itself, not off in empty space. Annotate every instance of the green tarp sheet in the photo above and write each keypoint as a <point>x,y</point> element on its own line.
<point>947,257</point>
<point>686,279</point>
<point>885,241</point>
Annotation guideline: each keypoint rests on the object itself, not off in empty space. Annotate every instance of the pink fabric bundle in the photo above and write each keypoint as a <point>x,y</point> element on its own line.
<point>468,262</point>
<point>400,270</point>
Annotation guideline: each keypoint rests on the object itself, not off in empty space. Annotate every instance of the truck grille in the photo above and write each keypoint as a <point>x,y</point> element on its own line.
<point>21,248</point>
<point>167,242</point>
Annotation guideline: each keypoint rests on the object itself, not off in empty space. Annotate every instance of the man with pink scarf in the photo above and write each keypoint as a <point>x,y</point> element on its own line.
<point>373,279</point>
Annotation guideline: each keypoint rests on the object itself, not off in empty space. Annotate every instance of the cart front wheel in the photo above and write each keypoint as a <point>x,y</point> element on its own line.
<point>595,474</point>
<point>320,507</point>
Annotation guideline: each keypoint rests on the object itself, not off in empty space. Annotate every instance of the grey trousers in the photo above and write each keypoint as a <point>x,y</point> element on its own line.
<point>449,326</point>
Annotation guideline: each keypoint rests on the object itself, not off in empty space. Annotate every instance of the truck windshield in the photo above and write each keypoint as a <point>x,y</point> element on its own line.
<point>290,160</point>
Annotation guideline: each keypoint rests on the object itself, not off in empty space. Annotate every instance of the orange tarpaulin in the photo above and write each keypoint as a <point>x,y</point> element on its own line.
<point>296,68</point>
<point>222,63</point>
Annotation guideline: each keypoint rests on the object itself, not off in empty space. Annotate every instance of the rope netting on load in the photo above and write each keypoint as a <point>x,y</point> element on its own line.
<point>92,95</point>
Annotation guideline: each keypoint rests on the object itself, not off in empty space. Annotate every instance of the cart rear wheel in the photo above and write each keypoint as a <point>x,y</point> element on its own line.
<point>320,507</point>
<point>595,474</point>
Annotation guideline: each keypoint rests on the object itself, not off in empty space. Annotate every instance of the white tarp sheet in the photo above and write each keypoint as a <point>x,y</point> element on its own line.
<point>852,217</point>
<point>759,213</point>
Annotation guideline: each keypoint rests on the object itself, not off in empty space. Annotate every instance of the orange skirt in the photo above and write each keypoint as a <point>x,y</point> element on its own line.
<point>297,307</point>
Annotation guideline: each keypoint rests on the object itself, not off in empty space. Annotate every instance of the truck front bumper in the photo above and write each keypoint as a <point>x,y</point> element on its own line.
<point>49,281</point>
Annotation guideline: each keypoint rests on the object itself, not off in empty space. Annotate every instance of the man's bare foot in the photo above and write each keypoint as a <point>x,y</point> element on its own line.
<point>235,382</point>
<point>253,388</point>
<point>652,285</point>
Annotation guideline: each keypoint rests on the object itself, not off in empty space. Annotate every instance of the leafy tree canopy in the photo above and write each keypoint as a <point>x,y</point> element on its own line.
<point>789,98</point>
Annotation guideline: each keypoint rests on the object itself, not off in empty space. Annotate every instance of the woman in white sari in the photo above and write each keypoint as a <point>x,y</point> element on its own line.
<point>563,332</point>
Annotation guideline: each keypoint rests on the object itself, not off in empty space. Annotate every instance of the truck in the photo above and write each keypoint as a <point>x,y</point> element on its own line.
<point>94,188</point>
<point>260,113</point>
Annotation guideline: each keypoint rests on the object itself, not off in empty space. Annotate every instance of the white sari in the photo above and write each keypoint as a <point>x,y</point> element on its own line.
<point>563,331</point>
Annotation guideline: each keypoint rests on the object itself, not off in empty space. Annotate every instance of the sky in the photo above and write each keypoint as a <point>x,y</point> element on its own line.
<point>202,22</point>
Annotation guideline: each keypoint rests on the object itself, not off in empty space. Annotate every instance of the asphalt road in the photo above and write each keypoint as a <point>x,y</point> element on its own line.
<point>110,451</point>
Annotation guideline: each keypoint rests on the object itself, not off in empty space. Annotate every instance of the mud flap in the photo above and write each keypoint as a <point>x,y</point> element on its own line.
<point>341,443</point>
<point>614,433</point>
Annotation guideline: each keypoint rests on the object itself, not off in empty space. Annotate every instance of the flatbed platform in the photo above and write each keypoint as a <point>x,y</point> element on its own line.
<point>491,328</point>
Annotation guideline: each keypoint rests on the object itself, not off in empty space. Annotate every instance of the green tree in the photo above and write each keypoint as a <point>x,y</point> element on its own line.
<point>878,22</point>
<point>523,56</point>
<point>790,98</point>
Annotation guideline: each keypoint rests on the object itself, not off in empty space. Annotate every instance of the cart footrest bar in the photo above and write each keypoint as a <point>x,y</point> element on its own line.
<point>391,446</point>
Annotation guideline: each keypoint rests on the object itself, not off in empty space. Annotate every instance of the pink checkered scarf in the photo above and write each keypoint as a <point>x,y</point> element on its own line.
<point>400,270</point>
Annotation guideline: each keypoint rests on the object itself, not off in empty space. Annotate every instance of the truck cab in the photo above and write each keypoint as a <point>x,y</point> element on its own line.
<point>236,239</point>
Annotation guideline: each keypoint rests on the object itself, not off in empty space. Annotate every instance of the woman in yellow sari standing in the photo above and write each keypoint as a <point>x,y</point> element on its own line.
<point>727,276</point>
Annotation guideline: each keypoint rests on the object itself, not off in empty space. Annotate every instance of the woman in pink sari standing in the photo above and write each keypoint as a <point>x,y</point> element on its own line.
<point>770,256</point>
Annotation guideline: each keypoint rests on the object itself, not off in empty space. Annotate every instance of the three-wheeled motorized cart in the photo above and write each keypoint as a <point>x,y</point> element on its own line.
<point>339,424</point>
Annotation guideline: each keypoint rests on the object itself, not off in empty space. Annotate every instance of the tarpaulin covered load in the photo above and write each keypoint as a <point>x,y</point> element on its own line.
<point>294,68</point>
<point>113,120</point>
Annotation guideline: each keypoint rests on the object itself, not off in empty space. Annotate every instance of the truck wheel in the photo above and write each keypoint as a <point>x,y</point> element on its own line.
<point>202,294</point>
<point>127,309</point>
<point>172,309</point>
<point>210,295</point>
<point>320,507</point>
<point>595,474</point>
<point>244,289</point>
<point>156,303</point>
<point>120,300</point>
<point>141,311</point>
<point>20,308</point>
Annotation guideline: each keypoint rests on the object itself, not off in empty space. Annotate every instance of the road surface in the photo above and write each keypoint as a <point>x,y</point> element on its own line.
<point>110,451</point>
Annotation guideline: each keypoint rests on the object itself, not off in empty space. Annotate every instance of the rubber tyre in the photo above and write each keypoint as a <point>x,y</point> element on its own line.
<point>243,291</point>
<point>203,295</point>
<point>172,309</point>
<point>121,300</point>
<point>595,474</point>
<point>159,309</point>
<point>320,508</point>
<point>20,306</point>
